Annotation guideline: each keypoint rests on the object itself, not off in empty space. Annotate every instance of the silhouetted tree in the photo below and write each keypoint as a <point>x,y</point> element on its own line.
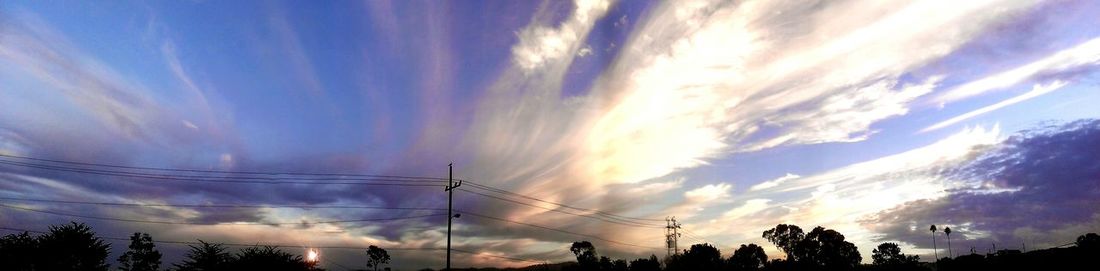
<point>947,232</point>
<point>71,247</point>
<point>701,257</point>
<point>785,237</point>
<point>747,257</point>
<point>376,257</point>
<point>206,257</point>
<point>826,249</point>
<point>586,255</point>
<point>619,265</point>
<point>1089,241</point>
<point>935,251</point>
<point>605,264</point>
<point>142,256</point>
<point>268,258</point>
<point>643,264</point>
<point>889,254</point>
<point>17,252</point>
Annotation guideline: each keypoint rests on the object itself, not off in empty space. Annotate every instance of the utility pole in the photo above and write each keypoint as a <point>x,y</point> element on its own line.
<point>451,185</point>
<point>672,235</point>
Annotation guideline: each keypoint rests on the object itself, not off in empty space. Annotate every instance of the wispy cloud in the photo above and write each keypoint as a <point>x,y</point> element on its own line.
<point>1036,187</point>
<point>774,183</point>
<point>290,45</point>
<point>1036,91</point>
<point>539,44</point>
<point>1068,62</point>
<point>703,80</point>
<point>839,197</point>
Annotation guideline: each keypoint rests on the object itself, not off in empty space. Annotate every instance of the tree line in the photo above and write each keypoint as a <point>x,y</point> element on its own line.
<point>76,247</point>
<point>826,250</point>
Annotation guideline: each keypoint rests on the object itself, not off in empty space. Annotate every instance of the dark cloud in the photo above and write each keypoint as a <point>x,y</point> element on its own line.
<point>1035,187</point>
<point>228,216</point>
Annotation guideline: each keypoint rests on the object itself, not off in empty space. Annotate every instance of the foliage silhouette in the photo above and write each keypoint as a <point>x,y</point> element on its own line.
<point>935,251</point>
<point>747,257</point>
<point>1090,241</point>
<point>785,237</point>
<point>268,258</point>
<point>73,246</point>
<point>703,257</point>
<point>643,264</point>
<point>827,249</point>
<point>587,258</point>
<point>17,251</point>
<point>142,256</point>
<point>206,257</point>
<point>888,256</point>
<point>821,249</point>
<point>376,257</point>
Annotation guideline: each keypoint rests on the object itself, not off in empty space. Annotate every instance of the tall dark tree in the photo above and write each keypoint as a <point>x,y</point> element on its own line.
<point>702,257</point>
<point>785,237</point>
<point>142,256</point>
<point>17,252</point>
<point>747,257</point>
<point>376,257</point>
<point>71,247</point>
<point>947,232</point>
<point>889,254</point>
<point>619,265</point>
<point>606,264</point>
<point>206,257</point>
<point>935,251</point>
<point>643,264</point>
<point>1089,241</point>
<point>586,254</point>
<point>825,248</point>
<point>268,258</point>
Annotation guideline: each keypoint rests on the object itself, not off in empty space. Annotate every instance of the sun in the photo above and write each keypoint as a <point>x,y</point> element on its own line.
<point>311,255</point>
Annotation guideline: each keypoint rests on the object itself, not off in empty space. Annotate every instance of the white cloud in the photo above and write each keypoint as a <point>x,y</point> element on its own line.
<point>839,198</point>
<point>709,193</point>
<point>750,207</point>
<point>774,183</point>
<point>586,51</point>
<point>1036,91</point>
<point>1083,55</point>
<point>704,79</point>
<point>539,44</point>
<point>656,188</point>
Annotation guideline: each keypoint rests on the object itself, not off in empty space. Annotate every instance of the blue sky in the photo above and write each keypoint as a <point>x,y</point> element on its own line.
<point>731,116</point>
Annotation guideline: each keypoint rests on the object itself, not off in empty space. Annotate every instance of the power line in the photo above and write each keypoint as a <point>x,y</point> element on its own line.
<point>476,253</point>
<point>223,205</point>
<point>502,191</point>
<point>234,206</point>
<point>374,179</point>
<point>219,171</point>
<point>554,229</point>
<point>235,244</point>
<point>200,223</point>
<point>698,238</point>
<point>212,179</point>
<point>627,223</point>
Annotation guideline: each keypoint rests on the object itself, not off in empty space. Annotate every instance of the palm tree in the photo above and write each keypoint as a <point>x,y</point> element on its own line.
<point>934,250</point>
<point>947,231</point>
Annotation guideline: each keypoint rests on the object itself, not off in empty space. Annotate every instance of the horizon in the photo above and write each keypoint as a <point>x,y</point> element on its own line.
<point>332,124</point>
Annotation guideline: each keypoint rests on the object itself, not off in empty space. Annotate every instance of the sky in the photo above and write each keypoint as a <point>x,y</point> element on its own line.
<point>874,118</point>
